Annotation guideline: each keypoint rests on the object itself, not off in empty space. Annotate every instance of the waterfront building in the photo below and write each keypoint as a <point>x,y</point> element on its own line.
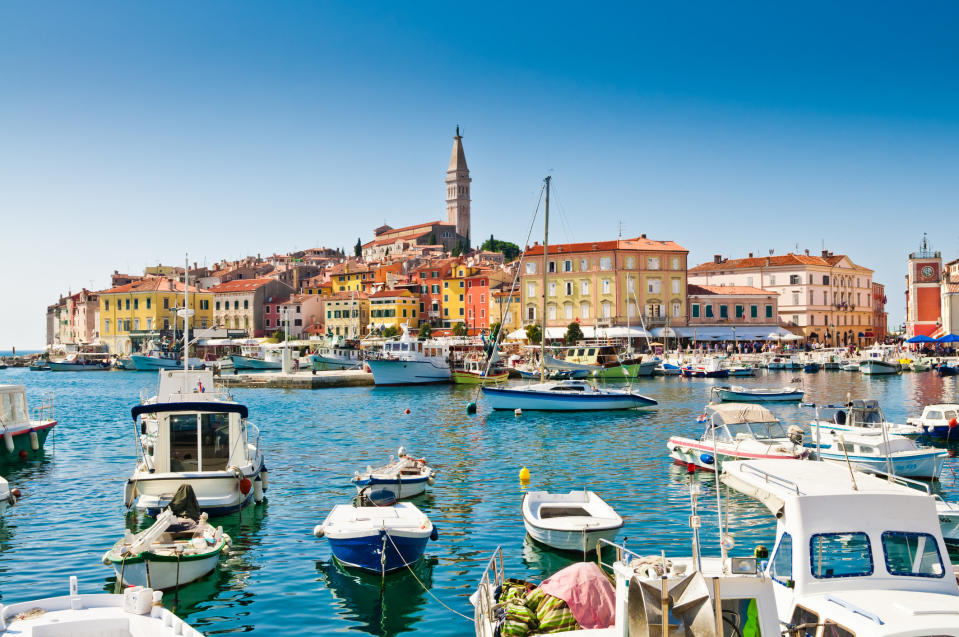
<point>301,311</point>
<point>272,311</point>
<point>606,283</point>
<point>949,300</point>
<point>454,293</point>
<point>393,308</point>
<point>506,306</point>
<point>828,297</point>
<point>479,315</point>
<point>731,312</point>
<point>238,304</point>
<point>145,310</point>
<point>923,291</point>
<point>348,314</point>
<point>430,277</point>
<point>350,276</point>
<point>880,318</point>
<point>74,319</point>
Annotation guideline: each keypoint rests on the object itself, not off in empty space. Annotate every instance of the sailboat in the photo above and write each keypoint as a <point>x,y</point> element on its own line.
<point>563,395</point>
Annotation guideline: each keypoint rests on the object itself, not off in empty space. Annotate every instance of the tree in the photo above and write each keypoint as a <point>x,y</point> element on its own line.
<point>358,248</point>
<point>456,250</point>
<point>573,333</point>
<point>432,238</point>
<point>390,332</point>
<point>278,336</point>
<point>494,331</point>
<point>459,329</point>
<point>509,250</point>
<point>534,334</point>
<point>425,331</point>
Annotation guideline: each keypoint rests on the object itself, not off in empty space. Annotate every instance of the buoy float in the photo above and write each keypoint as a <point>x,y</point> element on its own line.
<point>953,423</point>
<point>8,440</point>
<point>471,407</point>
<point>23,454</point>
<point>690,467</point>
<point>263,476</point>
<point>407,411</point>
<point>517,412</point>
<point>258,491</point>
<point>318,530</point>
<point>245,486</point>
<point>34,440</point>
<point>15,493</point>
<point>524,475</point>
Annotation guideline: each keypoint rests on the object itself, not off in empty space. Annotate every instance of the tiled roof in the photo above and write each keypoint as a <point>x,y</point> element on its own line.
<point>390,293</point>
<point>240,285</point>
<point>419,225</point>
<point>341,296</point>
<point>149,284</point>
<point>639,243</point>
<point>731,290</point>
<point>773,261</point>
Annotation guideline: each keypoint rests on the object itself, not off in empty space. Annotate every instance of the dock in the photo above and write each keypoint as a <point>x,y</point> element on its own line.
<point>298,380</point>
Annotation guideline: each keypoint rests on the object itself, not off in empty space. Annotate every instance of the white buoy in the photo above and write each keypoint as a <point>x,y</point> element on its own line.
<point>517,412</point>
<point>258,491</point>
<point>318,530</point>
<point>263,476</point>
<point>34,440</point>
<point>8,440</point>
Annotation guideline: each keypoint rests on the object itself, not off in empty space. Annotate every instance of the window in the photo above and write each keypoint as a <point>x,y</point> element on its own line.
<point>551,312</point>
<point>106,304</point>
<point>652,263</point>
<point>246,304</point>
<point>552,288</point>
<point>530,289</point>
<point>831,629</point>
<point>676,309</point>
<point>552,267</point>
<point>136,304</point>
<point>781,567</point>
<point>127,304</point>
<point>631,309</point>
<point>446,285</point>
<point>568,310</point>
<point>584,288</point>
<point>840,555</point>
<point>607,309</point>
<point>769,311</point>
<point>795,298</point>
<point>461,298</point>
<point>268,320</point>
<point>749,281</point>
<point>629,263</point>
<point>793,279</point>
<point>435,289</point>
<point>630,285</point>
<point>569,288</point>
<point>709,311</point>
<point>605,263</point>
<point>723,311</point>
<point>805,617</point>
<point>675,263</point>
<point>236,304</point>
<point>530,313</point>
<point>605,286</point>
<point>772,279</point>
<point>567,266</point>
<point>148,302</point>
<point>740,311</point>
<point>653,286</point>
<point>753,311</point>
<point>675,284</point>
<point>825,279</point>
<point>584,310</point>
<point>583,265</point>
<point>149,324</point>
<point>795,319</point>
<point>912,554</point>
<point>695,310</point>
<point>106,326</point>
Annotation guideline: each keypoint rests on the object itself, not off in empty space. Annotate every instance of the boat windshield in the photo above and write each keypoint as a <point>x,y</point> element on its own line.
<point>189,443</point>
<point>912,554</point>
<point>757,430</point>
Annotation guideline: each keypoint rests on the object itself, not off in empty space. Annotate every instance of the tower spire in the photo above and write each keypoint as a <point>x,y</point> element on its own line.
<point>458,188</point>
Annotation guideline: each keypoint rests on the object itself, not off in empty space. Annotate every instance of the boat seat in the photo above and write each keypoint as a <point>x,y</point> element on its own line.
<point>547,512</point>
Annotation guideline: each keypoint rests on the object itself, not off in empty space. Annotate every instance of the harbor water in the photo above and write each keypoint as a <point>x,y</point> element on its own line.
<point>280,580</point>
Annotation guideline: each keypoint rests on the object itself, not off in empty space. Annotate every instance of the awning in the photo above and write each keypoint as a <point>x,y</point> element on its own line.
<point>727,332</point>
<point>774,503</point>
<point>555,333</point>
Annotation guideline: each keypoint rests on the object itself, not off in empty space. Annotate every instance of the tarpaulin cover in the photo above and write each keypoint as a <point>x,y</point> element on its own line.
<point>588,593</point>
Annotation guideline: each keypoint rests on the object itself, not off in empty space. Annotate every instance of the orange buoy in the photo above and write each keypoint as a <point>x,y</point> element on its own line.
<point>245,486</point>
<point>23,454</point>
<point>407,411</point>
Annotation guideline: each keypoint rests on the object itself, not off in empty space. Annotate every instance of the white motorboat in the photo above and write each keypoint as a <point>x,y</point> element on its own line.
<point>939,421</point>
<point>948,513</point>
<point>879,359</point>
<point>736,431</point>
<point>573,521</point>
<point>138,612</point>
<point>169,554</point>
<point>404,477</point>
<point>887,454</point>
<point>862,417</point>
<point>564,395</point>
<point>853,551</point>
<point>257,357</point>
<point>24,431</point>
<point>8,496</point>
<point>380,539</point>
<point>408,361</point>
<point>850,366</point>
<point>192,434</point>
<point>739,394</point>
<point>336,353</point>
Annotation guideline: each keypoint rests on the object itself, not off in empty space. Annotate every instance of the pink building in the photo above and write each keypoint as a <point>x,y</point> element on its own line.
<point>727,312</point>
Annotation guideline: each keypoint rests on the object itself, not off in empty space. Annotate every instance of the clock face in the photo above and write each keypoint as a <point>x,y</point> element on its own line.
<point>927,272</point>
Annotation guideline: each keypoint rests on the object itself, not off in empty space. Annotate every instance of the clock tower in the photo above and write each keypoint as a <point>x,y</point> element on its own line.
<point>923,300</point>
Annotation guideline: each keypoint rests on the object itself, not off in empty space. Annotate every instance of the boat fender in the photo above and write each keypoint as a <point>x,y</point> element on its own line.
<point>431,480</point>
<point>245,486</point>
<point>23,454</point>
<point>434,534</point>
<point>258,491</point>
<point>218,535</point>
<point>707,458</point>
<point>263,476</point>
<point>8,440</point>
<point>319,531</point>
<point>106,559</point>
<point>402,450</point>
<point>14,496</point>
<point>517,412</point>
<point>34,440</point>
<point>129,493</point>
<point>471,407</point>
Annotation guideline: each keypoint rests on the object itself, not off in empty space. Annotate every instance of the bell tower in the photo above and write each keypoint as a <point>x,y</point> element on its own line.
<point>458,189</point>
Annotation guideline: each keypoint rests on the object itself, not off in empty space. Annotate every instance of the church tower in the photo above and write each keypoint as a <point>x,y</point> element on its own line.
<point>458,189</point>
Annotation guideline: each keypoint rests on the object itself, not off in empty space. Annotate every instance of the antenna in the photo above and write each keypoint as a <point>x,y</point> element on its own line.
<point>620,228</point>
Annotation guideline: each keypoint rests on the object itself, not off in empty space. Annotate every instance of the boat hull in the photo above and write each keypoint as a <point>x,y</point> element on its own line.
<point>366,552</point>
<point>79,367</point>
<point>399,488</point>
<point>327,363</point>
<point>733,396</point>
<point>152,363</point>
<point>947,370</point>
<point>399,372</point>
<point>464,377</point>
<point>703,456</point>
<point>22,446</point>
<point>691,372</point>
<point>501,398</point>
<point>161,572</point>
<point>217,495</point>
<point>622,372</point>
<point>878,367</point>
<point>570,540</point>
<point>244,362</point>
<point>923,466</point>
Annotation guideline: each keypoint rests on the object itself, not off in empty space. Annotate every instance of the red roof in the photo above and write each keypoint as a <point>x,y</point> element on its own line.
<point>419,225</point>
<point>149,284</point>
<point>728,290</point>
<point>240,285</point>
<point>390,293</point>
<point>780,260</point>
<point>639,243</point>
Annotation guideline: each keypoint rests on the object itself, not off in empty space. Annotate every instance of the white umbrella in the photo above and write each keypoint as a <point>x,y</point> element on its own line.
<point>792,337</point>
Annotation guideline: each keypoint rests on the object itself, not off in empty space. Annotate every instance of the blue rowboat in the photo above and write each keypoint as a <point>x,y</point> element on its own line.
<point>810,368</point>
<point>567,395</point>
<point>380,539</point>
<point>737,394</point>
<point>403,478</point>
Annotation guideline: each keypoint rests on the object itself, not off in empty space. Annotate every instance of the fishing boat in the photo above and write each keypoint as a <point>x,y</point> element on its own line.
<point>158,358</point>
<point>564,395</point>
<point>24,433</point>
<point>879,359</point>
<point>854,553</point>
<point>863,417</point>
<point>938,421</point>
<point>336,353</point>
<point>573,521</point>
<point>710,368</point>
<point>850,366</point>
<point>740,394</point>
<point>380,539</point>
<point>82,362</point>
<point>257,357</point>
<point>40,365</point>
<point>138,612</point>
<point>172,552</point>
<point>404,477</point>
<point>945,369</point>
<point>408,361</point>
<point>8,496</point>
<point>741,369</point>
<point>474,372</point>
<point>736,431</point>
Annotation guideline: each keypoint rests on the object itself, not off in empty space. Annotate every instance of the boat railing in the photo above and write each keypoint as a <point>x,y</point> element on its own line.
<point>906,482</point>
<point>771,478</point>
<point>621,553</point>
<point>253,432</point>
<point>493,577</point>
<point>44,411</point>
<point>221,395</point>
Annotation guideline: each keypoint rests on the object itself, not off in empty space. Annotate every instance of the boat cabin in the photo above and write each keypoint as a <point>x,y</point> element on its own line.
<point>738,421</point>
<point>13,405</point>
<point>604,355</point>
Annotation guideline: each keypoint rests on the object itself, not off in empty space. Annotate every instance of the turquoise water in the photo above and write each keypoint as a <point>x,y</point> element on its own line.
<point>279,579</point>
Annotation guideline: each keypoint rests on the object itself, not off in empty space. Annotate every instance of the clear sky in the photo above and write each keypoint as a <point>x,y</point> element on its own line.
<point>133,132</point>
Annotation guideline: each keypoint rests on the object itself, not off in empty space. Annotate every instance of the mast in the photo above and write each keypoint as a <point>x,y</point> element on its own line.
<point>186,322</point>
<point>542,339</point>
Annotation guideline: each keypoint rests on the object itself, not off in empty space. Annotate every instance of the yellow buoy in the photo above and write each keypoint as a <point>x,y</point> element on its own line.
<point>524,475</point>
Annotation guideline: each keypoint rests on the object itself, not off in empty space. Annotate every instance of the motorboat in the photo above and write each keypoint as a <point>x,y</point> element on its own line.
<point>404,477</point>
<point>938,421</point>
<point>784,362</point>
<point>669,369</point>
<point>374,538</point>
<point>736,431</point>
<point>474,371</point>
<point>564,395</point>
<point>855,553</point>
<point>863,417</point>
<point>879,359</point>
<point>603,361</point>
<point>573,521</point>
<point>24,432</point>
<point>8,496</point>
<point>811,367</point>
<point>946,369</point>
<point>850,366</point>
<point>948,513</point>
<point>710,368</point>
<point>192,433</point>
<point>82,362</point>
<point>337,353</point>
<point>741,369</point>
<point>172,552</point>
<point>155,359</point>
<point>740,394</point>
<point>408,361</point>
<point>257,357</point>
<point>138,612</point>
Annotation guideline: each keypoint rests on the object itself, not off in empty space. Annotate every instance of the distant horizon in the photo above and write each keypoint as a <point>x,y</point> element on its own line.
<point>141,132</point>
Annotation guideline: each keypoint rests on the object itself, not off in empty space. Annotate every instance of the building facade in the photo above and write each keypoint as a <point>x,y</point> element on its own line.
<point>923,292</point>
<point>880,318</point>
<point>393,308</point>
<point>301,311</point>
<point>238,304</point>
<point>348,315</point>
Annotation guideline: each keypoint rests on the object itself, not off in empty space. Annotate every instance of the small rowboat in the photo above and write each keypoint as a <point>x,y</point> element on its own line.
<point>572,521</point>
<point>138,611</point>
<point>8,496</point>
<point>377,538</point>
<point>402,478</point>
<point>738,394</point>
<point>173,552</point>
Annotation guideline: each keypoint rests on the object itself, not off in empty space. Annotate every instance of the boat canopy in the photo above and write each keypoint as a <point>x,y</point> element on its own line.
<point>589,331</point>
<point>205,407</point>
<point>738,413</point>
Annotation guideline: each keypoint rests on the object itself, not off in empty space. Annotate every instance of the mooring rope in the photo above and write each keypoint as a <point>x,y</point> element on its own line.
<point>423,586</point>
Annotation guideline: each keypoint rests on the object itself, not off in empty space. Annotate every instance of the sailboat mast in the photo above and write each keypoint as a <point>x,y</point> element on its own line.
<point>186,321</point>
<point>542,338</point>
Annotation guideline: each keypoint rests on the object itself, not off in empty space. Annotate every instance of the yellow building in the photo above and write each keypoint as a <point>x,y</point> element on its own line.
<point>504,310</point>
<point>351,277</point>
<point>454,294</point>
<point>348,314</point>
<point>146,310</point>
<point>393,308</point>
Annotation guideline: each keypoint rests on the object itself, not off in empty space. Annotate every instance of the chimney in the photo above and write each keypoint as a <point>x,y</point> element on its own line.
<point>825,253</point>
<point>807,252</point>
<point>642,236</point>
<point>767,262</point>
<point>750,255</point>
<point>717,258</point>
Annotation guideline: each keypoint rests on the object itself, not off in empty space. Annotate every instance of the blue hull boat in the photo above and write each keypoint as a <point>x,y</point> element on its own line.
<point>810,368</point>
<point>947,370</point>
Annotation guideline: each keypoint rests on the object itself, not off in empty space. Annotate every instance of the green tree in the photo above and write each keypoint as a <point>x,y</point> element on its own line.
<point>509,250</point>
<point>459,329</point>
<point>390,332</point>
<point>573,333</point>
<point>494,331</point>
<point>358,248</point>
<point>425,331</point>
<point>456,250</point>
<point>534,334</point>
<point>432,238</point>
<point>278,336</point>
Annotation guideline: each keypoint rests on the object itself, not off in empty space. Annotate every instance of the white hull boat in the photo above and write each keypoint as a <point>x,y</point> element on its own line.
<point>138,612</point>
<point>948,513</point>
<point>877,452</point>
<point>152,363</point>
<point>408,372</point>
<point>738,394</point>
<point>8,496</point>
<point>404,478</point>
<point>573,521</point>
<point>248,362</point>
<point>564,395</point>
<point>876,367</point>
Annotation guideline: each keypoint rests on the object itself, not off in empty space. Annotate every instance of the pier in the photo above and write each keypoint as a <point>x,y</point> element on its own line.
<point>298,380</point>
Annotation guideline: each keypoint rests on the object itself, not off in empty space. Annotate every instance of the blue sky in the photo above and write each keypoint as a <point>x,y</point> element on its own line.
<point>135,132</point>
